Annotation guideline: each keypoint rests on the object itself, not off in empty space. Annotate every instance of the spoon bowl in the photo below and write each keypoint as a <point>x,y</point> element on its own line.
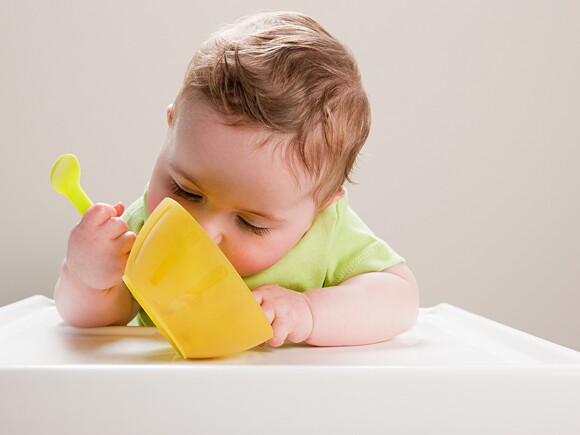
<point>65,179</point>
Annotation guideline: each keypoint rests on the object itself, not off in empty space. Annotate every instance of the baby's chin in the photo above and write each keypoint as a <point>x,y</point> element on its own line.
<point>249,268</point>
<point>249,271</point>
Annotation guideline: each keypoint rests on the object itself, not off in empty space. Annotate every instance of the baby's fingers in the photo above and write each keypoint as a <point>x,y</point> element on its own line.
<point>280,332</point>
<point>125,241</point>
<point>98,214</point>
<point>115,227</point>
<point>119,208</point>
<point>268,307</point>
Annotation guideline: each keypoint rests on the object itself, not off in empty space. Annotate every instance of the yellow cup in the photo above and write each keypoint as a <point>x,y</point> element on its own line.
<point>190,290</point>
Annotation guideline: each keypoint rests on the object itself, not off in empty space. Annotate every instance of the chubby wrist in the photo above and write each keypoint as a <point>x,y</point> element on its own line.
<point>68,275</point>
<point>75,281</point>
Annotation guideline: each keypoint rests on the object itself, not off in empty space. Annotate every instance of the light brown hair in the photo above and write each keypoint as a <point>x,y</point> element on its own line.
<point>284,72</point>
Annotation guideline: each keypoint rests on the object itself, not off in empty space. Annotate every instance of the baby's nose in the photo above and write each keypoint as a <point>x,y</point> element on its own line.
<point>217,238</point>
<point>212,228</point>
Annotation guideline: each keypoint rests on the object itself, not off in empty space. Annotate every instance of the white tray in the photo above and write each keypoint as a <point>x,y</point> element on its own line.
<point>454,370</point>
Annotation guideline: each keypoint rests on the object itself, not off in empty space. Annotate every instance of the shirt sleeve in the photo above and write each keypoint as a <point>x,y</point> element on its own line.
<point>355,249</point>
<point>135,215</point>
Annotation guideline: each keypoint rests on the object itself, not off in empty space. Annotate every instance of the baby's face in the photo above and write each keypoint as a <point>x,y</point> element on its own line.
<point>243,196</point>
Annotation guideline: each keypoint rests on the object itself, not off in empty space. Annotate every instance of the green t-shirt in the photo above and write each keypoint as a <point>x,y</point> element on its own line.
<point>337,247</point>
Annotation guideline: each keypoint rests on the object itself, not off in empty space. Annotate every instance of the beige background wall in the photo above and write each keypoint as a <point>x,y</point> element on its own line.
<point>471,171</point>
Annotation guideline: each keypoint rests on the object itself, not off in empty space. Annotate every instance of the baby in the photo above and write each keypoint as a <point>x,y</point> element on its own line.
<point>261,139</point>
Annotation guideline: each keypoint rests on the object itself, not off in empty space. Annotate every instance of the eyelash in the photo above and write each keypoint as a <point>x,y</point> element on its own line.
<point>177,190</point>
<point>259,231</point>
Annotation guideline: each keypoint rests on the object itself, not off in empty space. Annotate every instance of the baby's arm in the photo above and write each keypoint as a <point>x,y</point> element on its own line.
<point>90,291</point>
<point>367,308</point>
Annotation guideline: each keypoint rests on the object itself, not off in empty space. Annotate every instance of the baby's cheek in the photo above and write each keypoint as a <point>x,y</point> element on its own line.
<point>252,260</point>
<point>154,197</point>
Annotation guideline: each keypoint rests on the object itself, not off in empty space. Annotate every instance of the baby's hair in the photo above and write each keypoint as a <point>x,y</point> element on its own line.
<point>284,72</point>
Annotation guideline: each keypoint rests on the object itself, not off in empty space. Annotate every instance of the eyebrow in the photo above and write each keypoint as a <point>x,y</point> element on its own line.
<point>192,180</point>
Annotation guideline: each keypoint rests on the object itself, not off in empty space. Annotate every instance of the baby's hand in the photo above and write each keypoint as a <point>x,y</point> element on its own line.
<point>98,247</point>
<point>287,311</point>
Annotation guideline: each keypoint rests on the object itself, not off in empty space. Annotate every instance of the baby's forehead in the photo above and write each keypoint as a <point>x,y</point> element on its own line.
<point>282,146</point>
<point>278,145</point>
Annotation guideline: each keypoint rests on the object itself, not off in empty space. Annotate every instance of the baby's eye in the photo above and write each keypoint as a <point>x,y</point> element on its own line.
<point>259,231</point>
<point>179,191</point>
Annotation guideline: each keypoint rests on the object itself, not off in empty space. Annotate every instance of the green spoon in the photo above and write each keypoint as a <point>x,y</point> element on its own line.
<point>65,178</point>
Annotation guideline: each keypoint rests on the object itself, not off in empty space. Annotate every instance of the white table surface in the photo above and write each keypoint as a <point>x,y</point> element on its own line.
<point>454,372</point>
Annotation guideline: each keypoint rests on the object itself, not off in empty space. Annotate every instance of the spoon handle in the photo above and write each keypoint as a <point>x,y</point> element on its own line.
<point>79,199</point>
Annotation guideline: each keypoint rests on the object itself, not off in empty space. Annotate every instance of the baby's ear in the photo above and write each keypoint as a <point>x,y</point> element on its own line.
<point>170,114</point>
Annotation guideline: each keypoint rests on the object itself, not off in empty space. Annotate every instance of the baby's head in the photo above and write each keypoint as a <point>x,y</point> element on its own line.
<point>263,134</point>
<point>284,73</point>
